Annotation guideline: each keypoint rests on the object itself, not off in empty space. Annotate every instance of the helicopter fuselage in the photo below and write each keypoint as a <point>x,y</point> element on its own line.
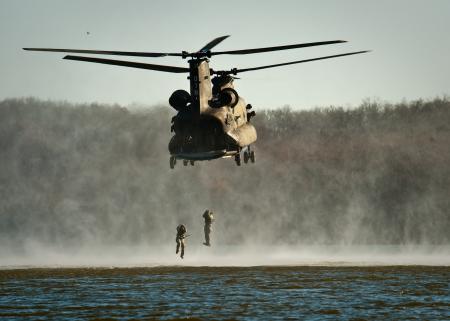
<point>215,123</point>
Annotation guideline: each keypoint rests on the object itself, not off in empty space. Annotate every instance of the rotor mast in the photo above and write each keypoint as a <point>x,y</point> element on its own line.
<point>200,84</point>
<point>200,75</point>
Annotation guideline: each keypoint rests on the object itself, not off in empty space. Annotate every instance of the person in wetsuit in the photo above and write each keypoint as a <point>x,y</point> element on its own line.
<point>209,218</point>
<point>181,235</point>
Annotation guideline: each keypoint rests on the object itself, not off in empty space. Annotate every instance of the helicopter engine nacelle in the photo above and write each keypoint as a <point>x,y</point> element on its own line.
<point>227,96</point>
<point>180,99</point>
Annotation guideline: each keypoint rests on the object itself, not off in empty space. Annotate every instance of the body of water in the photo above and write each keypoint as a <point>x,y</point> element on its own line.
<point>226,293</point>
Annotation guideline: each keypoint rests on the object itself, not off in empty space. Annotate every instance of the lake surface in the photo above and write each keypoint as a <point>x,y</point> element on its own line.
<point>227,293</point>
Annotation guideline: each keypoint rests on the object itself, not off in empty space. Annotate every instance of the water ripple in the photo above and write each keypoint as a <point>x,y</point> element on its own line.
<point>227,293</point>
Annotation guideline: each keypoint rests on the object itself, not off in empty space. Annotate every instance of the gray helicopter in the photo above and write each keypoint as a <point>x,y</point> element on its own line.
<point>212,121</point>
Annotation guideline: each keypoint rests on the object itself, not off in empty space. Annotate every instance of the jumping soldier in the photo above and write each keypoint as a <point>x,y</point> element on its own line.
<point>209,218</point>
<point>181,235</point>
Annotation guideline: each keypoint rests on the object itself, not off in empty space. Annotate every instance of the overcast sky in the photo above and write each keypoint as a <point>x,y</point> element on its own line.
<point>409,38</point>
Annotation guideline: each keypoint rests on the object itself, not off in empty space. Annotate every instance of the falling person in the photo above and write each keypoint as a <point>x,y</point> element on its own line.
<point>181,235</point>
<point>209,218</point>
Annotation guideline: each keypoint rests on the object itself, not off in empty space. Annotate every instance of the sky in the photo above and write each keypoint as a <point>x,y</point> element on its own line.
<point>409,40</point>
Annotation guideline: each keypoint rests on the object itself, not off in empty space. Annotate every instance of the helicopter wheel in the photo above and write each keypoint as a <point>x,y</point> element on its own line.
<point>237,158</point>
<point>246,157</point>
<point>252,156</point>
<point>185,162</point>
<point>192,163</point>
<point>172,162</point>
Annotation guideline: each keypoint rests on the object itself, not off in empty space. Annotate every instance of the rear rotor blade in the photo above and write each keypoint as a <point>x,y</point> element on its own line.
<point>266,49</point>
<point>213,43</point>
<point>131,64</point>
<point>296,62</point>
<point>108,52</point>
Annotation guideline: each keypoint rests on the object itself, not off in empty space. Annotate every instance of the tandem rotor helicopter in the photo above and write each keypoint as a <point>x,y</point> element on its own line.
<point>213,121</point>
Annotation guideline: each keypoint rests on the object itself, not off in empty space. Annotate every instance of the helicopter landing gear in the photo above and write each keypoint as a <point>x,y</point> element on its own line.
<point>237,159</point>
<point>186,162</point>
<point>249,155</point>
<point>172,162</point>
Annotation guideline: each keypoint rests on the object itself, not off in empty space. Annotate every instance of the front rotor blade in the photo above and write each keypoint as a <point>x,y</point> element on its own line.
<point>213,43</point>
<point>108,52</point>
<point>131,64</point>
<point>266,49</point>
<point>298,61</point>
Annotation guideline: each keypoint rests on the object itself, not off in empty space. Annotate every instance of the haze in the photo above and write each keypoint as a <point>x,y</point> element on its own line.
<point>91,184</point>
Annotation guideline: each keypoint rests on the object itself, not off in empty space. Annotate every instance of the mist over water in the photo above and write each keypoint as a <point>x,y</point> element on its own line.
<point>229,256</point>
<point>91,185</point>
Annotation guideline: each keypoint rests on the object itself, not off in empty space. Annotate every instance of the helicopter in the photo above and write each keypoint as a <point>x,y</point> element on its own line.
<point>212,121</point>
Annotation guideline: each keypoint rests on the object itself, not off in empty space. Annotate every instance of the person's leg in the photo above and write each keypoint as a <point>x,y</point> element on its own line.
<point>182,248</point>
<point>207,233</point>
<point>178,245</point>
<point>205,229</point>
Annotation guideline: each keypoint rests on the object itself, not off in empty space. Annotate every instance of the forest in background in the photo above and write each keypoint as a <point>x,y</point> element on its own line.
<point>73,174</point>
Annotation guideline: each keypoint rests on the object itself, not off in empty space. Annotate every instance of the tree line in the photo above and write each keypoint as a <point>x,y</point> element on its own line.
<point>75,174</point>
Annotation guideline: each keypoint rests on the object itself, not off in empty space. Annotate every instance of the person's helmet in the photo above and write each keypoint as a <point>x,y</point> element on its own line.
<point>181,228</point>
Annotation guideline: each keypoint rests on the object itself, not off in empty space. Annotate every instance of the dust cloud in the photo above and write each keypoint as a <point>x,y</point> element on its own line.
<point>91,185</point>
